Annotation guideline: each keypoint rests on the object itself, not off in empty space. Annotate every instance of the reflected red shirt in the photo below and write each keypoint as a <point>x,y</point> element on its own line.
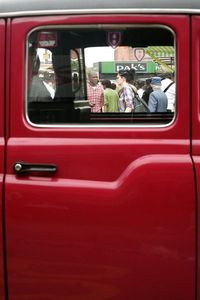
<point>95,97</point>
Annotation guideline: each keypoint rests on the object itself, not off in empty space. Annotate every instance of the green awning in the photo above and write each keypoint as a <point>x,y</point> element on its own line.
<point>161,51</point>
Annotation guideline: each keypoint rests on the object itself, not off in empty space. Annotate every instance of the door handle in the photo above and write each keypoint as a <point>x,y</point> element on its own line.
<point>22,167</point>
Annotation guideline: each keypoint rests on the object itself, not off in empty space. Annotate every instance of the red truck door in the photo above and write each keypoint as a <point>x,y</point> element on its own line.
<point>117,218</point>
<point>195,115</point>
<point>2,149</point>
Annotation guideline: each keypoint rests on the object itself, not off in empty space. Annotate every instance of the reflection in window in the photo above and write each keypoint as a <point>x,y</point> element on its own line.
<point>99,76</point>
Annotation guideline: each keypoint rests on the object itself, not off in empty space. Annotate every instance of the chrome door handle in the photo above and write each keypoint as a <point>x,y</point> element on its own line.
<point>22,167</point>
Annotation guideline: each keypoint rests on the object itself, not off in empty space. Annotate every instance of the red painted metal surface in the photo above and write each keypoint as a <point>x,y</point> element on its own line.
<point>195,79</point>
<point>2,145</point>
<point>117,221</point>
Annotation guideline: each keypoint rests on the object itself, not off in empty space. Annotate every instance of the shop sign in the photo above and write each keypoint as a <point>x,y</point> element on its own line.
<point>138,67</point>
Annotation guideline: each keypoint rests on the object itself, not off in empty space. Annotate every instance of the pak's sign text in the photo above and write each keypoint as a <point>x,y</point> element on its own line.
<point>138,67</point>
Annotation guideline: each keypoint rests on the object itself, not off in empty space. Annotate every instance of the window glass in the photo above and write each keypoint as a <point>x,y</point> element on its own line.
<point>121,75</point>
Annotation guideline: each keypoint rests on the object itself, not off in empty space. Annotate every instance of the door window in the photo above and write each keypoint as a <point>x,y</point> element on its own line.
<point>98,75</point>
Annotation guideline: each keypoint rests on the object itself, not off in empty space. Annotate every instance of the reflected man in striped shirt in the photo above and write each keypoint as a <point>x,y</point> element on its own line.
<point>95,92</point>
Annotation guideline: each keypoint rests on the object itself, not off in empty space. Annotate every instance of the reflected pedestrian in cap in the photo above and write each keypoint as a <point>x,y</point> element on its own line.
<point>157,100</point>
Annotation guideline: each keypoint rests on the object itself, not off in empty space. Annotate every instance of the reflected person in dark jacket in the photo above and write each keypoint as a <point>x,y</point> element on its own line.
<point>38,91</point>
<point>147,90</point>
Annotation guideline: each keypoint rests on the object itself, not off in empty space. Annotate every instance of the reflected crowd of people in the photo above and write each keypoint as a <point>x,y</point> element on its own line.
<point>106,95</point>
<point>158,92</point>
